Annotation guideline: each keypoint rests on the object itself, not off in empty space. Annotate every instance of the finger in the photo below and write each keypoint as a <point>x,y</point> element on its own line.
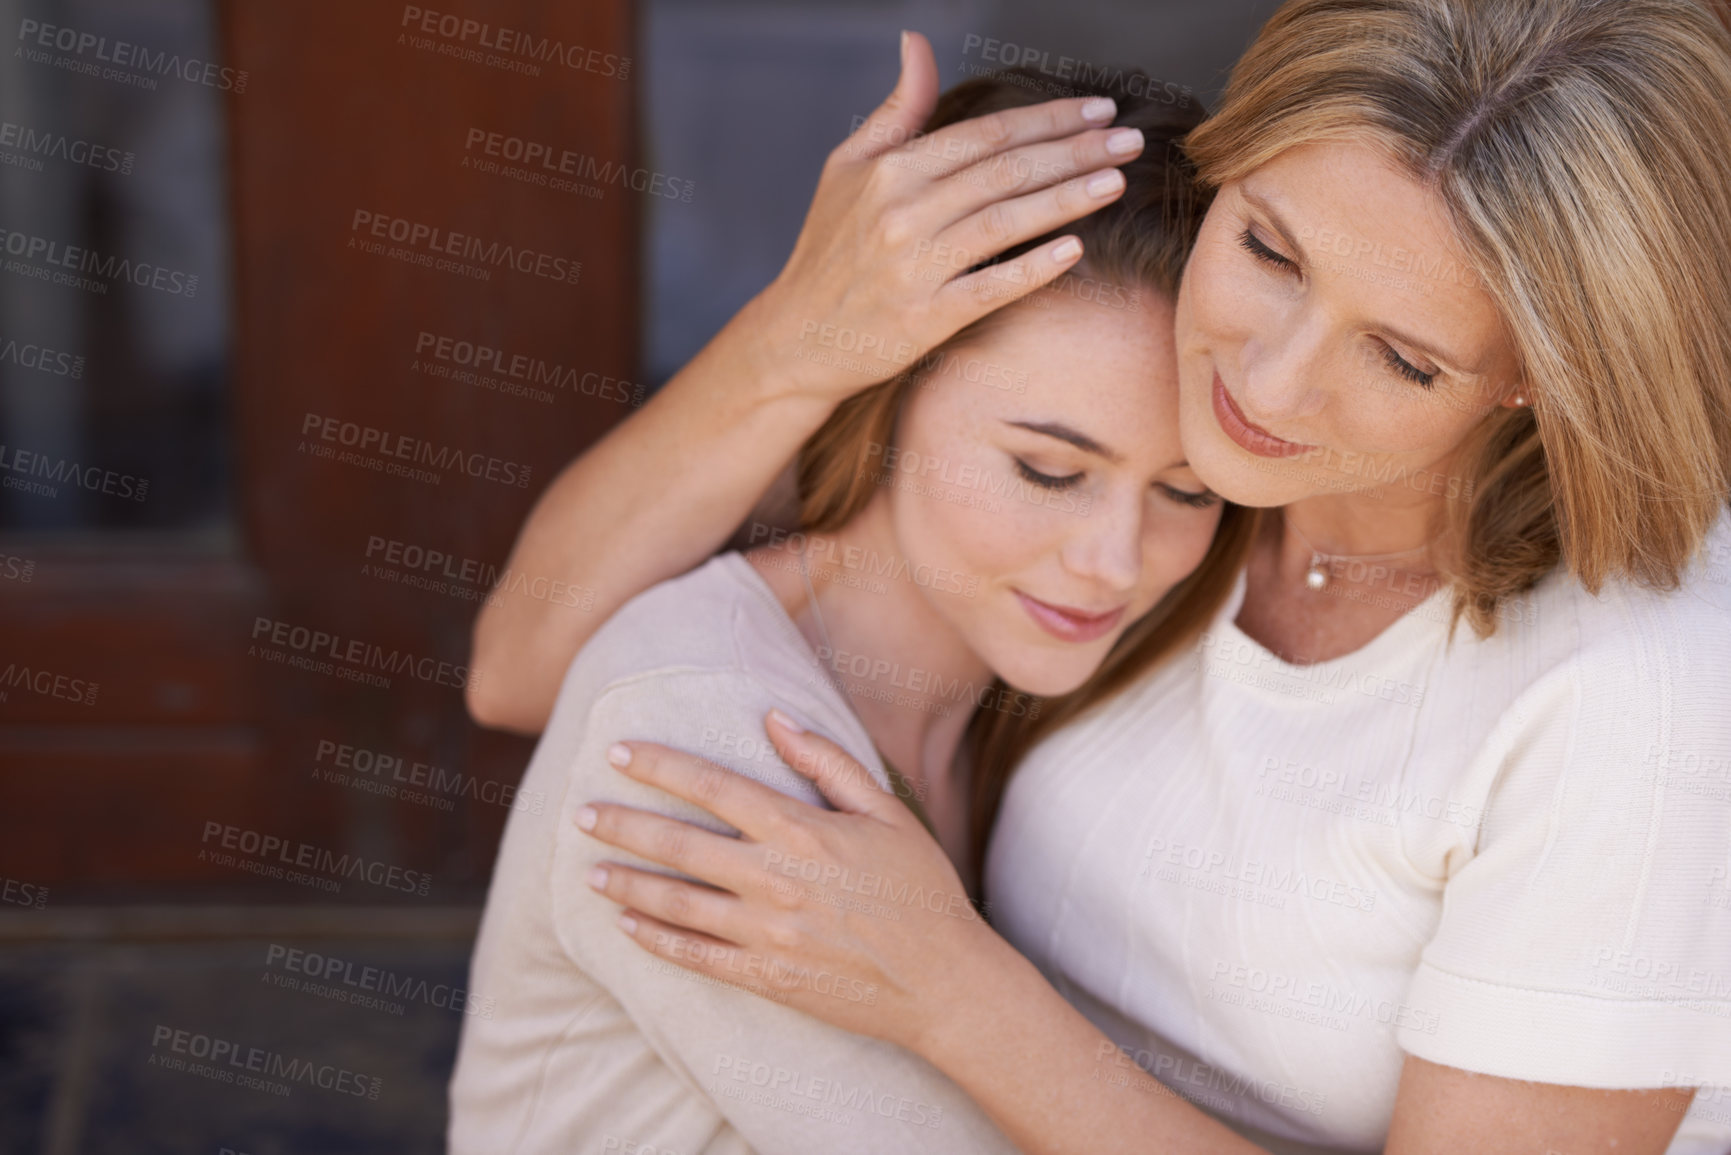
<point>896,121</point>
<point>750,807</point>
<point>843,780</point>
<point>966,299</point>
<point>969,142</point>
<point>713,858</point>
<point>672,900</point>
<point>1007,223</point>
<point>701,953</point>
<point>1034,167</point>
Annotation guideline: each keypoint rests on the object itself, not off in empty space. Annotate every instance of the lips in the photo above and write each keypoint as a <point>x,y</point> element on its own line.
<point>1069,625</point>
<point>1250,437</point>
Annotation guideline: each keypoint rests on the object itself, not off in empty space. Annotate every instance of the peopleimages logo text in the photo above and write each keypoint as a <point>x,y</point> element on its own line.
<point>435,240</point>
<point>367,655</point>
<point>552,160</point>
<point>402,447</point>
<point>62,471</point>
<point>306,856</point>
<point>49,252</point>
<point>230,1058</point>
<point>54,362</point>
<point>525,46</point>
<point>134,56</point>
<point>58,146</point>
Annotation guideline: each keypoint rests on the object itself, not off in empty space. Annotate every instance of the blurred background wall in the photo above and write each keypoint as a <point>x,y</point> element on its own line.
<point>288,346</point>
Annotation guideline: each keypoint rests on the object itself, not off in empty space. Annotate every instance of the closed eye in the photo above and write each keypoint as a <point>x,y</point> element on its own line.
<point>1044,480</point>
<point>1203,500</point>
<point>1184,497</point>
<point>1254,246</point>
<point>1407,369</point>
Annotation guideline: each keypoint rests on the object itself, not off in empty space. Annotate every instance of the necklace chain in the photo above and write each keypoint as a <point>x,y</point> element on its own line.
<point>1316,576</point>
<point>899,784</point>
<point>817,616</point>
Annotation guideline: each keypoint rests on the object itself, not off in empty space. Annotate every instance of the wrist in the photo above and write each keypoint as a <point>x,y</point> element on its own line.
<point>771,341</point>
<point>802,357</point>
<point>985,975</point>
<point>745,378</point>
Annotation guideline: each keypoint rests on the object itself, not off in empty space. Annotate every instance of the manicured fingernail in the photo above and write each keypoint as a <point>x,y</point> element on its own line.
<point>785,722</point>
<point>619,754</point>
<point>904,48</point>
<point>1105,183</point>
<point>1124,141</point>
<point>1099,109</point>
<point>627,924</point>
<point>1066,251</point>
<point>598,878</point>
<point>586,818</point>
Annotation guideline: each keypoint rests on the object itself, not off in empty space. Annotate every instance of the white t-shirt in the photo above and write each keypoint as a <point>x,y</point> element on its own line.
<point>596,1046</point>
<point>1266,882</point>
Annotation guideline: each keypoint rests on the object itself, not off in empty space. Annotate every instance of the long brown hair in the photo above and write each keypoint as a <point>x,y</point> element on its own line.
<point>1583,148</point>
<point>1140,243</point>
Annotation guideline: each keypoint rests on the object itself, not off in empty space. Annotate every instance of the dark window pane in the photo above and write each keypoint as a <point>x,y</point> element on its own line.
<point>114,309</point>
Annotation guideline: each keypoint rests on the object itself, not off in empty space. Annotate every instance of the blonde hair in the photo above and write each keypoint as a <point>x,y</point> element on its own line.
<point>1583,148</point>
<point>1141,241</point>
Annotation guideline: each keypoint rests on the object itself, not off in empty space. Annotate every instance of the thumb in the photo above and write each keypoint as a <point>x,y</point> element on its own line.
<point>848,785</point>
<point>895,121</point>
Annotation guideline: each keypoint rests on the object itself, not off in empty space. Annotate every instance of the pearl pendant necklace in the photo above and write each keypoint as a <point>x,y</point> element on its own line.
<point>1316,575</point>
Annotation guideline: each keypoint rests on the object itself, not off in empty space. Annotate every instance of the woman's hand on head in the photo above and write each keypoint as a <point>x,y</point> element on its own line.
<point>854,916</point>
<point>878,276</point>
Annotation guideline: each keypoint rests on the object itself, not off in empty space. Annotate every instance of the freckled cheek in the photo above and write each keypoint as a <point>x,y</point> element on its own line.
<point>1172,547</point>
<point>1382,426</point>
<point>978,529</point>
<point>1224,305</point>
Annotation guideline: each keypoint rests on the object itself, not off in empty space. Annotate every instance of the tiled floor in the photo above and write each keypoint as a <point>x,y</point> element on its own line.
<point>123,1046</point>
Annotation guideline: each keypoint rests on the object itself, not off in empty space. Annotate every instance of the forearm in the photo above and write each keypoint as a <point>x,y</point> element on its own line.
<point>667,487</point>
<point>661,492</point>
<point>947,988</point>
<point>1050,1079</point>
<point>860,1096</point>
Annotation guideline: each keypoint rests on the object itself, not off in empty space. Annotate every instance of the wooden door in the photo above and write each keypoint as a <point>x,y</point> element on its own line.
<point>431,242</point>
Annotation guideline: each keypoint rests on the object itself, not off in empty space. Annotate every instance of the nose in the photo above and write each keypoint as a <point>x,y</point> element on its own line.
<point>1284,368</point>
<point>1105,547</point>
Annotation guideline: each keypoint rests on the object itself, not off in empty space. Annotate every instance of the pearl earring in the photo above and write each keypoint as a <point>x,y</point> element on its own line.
<point>1520,400</point>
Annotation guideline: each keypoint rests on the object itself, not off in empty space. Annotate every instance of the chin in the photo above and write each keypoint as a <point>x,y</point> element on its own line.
<point>1045,675</point>
<point>1240,477</point>
<point>1244,484</point>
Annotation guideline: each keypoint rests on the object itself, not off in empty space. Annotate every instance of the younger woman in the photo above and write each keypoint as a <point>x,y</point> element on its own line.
<point>1011,520</point>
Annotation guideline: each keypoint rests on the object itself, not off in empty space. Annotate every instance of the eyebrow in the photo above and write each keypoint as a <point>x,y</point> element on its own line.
<point>1286,235</point>
<point>1071,436</point>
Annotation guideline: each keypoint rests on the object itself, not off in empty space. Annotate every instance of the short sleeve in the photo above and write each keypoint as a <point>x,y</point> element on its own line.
<point>787,1083</point>
<point>1587,941</point>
